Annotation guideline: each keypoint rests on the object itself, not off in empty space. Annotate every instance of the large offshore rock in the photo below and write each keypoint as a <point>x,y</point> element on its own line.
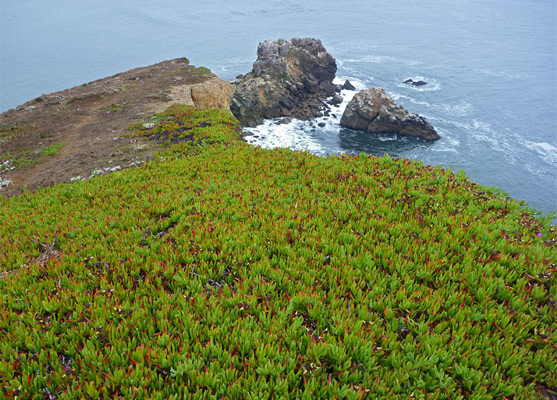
<point>372,111</point>
<point>289,78</point>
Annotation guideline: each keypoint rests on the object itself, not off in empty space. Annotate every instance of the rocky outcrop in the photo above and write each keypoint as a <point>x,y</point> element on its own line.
<point>372,111</point>
<point>214,93</point>
<point>211,93</point>
<point>289,78</point>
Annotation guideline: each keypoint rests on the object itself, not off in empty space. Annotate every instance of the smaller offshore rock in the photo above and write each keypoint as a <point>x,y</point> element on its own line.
<point>372,111</point>
<point>348,85</point>
<point>415,83</point>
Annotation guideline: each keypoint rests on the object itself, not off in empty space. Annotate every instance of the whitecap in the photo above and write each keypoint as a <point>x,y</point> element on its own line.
<point>388,137</point>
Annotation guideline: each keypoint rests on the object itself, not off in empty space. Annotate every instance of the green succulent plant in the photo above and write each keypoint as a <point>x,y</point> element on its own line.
<point>222,270</point>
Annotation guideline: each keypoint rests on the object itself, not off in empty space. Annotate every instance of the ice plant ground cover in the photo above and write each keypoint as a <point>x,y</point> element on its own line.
<point>221,270</point>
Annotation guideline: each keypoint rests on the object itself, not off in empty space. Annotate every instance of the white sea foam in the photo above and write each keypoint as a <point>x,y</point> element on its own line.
<point>398,96</point>
<point>379,59</point>
<point>375,59</point>
<point>547,174</point>
<point>318,136</point>
<point>462,109</point>
<point>386,137</point>
<point>356,82</point>
<point>360,83</point>
<point>497,140</point>
<point>511,145</point>
<point>293,135</point>
<point>546,151</point>
<point>503,74</point>
<point>449,142</point>
<point>394,96</point>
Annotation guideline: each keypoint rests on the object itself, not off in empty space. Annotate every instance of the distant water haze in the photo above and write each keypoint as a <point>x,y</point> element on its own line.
<point>490,68</point>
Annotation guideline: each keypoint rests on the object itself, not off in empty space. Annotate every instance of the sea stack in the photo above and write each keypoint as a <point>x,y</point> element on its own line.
<point>372,111</point>
<point>289,78</point>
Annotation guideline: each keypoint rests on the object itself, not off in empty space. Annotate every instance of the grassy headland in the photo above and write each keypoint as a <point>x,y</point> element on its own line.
<point>221,270</point>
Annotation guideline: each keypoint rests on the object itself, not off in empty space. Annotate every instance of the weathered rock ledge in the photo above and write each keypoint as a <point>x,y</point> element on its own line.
<point>372,111</point>
<point>289,78</point>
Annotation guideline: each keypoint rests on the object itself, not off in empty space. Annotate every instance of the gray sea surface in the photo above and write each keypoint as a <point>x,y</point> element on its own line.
<point>490,65</point>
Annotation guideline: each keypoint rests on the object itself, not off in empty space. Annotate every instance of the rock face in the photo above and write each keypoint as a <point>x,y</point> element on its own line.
<point>289,78</point>
<point>372,111</point>
<point>214,93</point>
<point>211,93</point>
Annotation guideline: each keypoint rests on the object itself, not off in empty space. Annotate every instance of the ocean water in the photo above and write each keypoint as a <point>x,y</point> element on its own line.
<point>491,68</point>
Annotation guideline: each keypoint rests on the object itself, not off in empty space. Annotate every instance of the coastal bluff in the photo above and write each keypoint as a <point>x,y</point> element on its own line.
<point>75,133</point>
<point>83,131</point>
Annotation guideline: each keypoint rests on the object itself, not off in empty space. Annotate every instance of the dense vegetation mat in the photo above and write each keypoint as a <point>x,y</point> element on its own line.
<point>227,271</point>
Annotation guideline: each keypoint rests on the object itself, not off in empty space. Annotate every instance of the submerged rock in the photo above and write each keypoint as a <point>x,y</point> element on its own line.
<point>289,78</point>
<point>372,111</point>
